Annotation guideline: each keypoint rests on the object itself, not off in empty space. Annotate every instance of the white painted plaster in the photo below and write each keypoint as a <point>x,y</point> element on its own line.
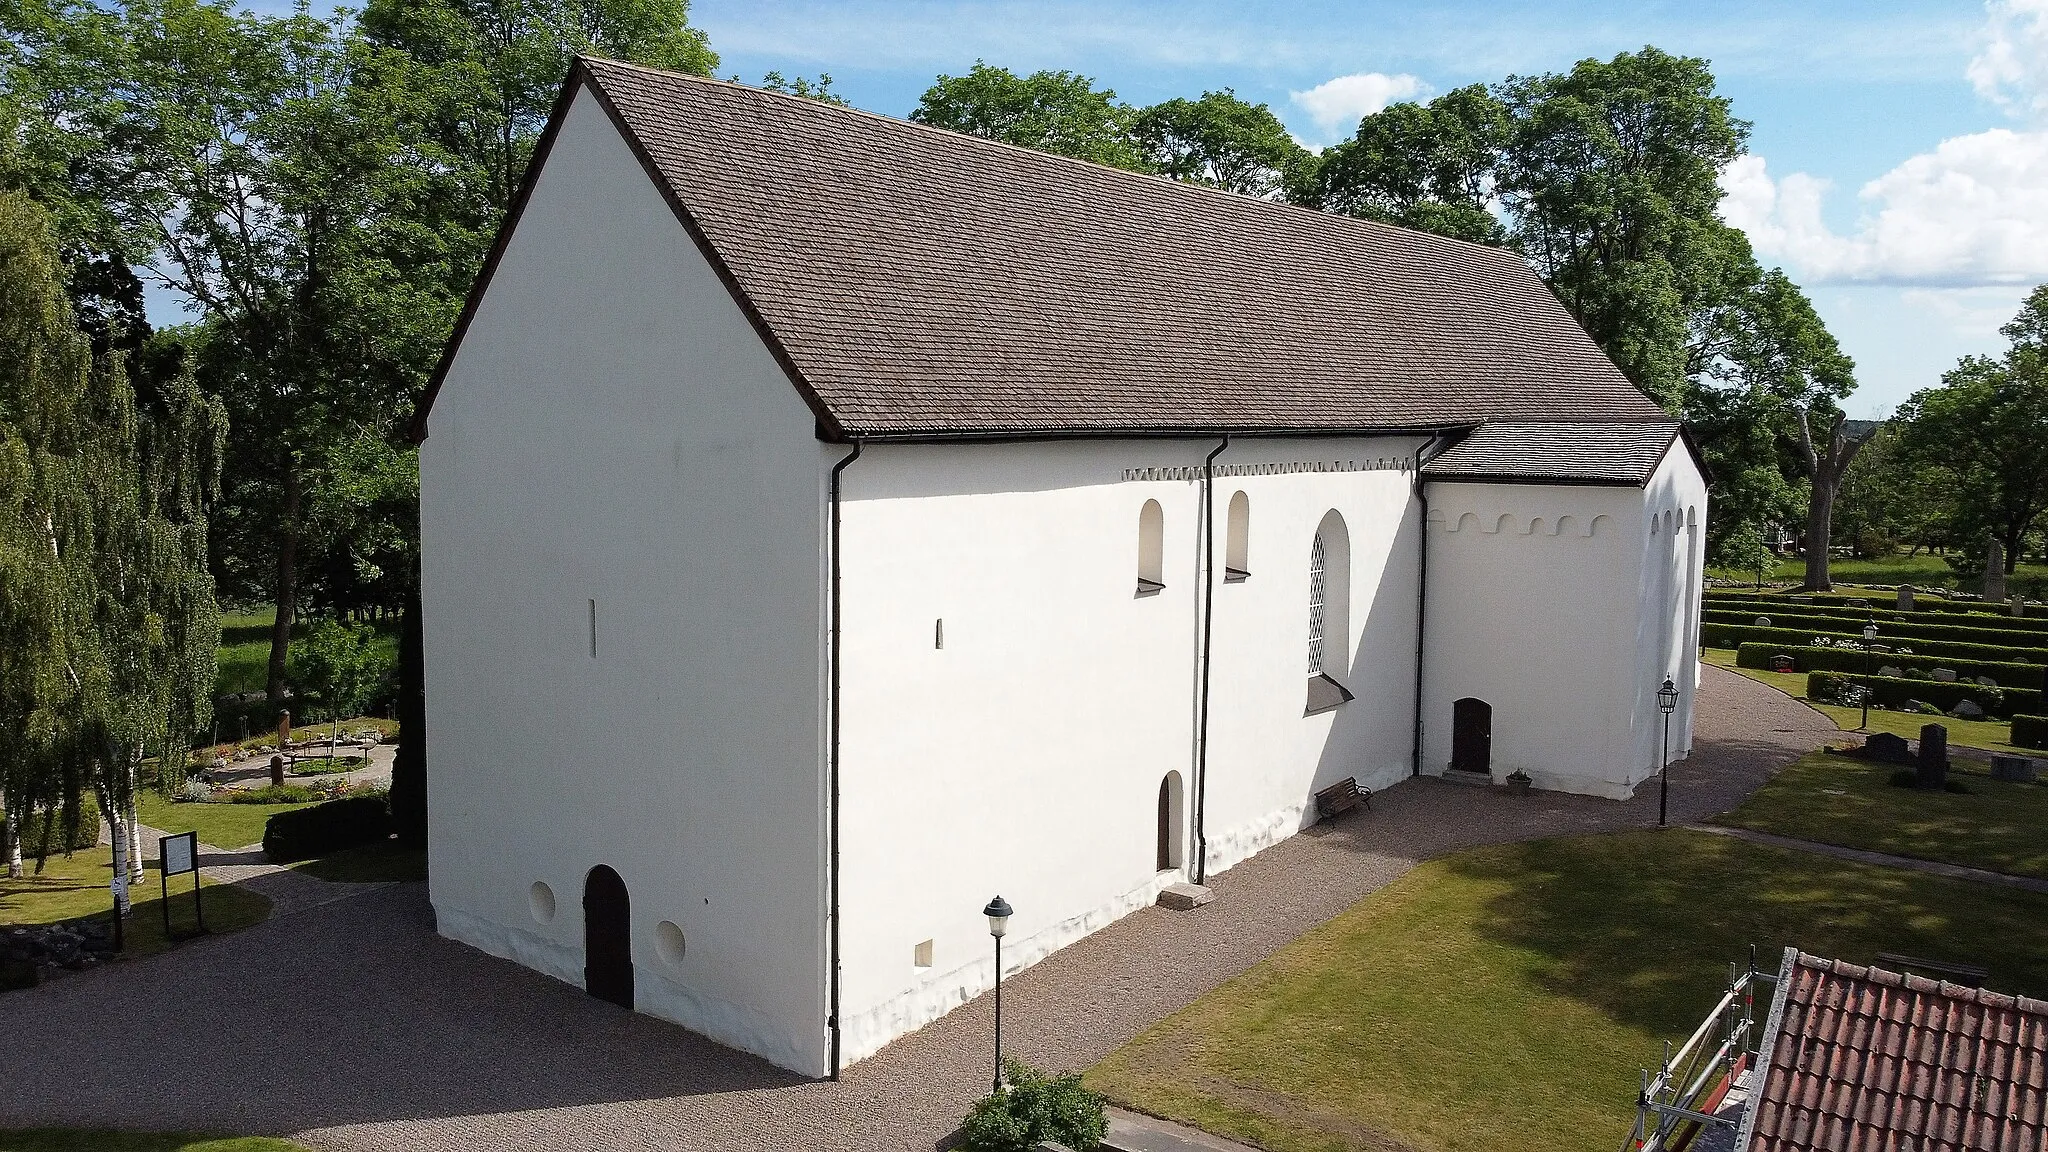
<point>613,430</point>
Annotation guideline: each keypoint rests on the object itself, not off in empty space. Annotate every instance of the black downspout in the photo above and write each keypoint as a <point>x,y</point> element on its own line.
<point>1208,629</point>
<point>832,768</point>
<point>1422,456</point>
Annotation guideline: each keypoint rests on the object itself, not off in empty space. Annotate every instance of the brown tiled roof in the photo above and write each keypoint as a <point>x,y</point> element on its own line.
<point>1865,1060</point>
<point>916,281</point>
<point>1558,453</point>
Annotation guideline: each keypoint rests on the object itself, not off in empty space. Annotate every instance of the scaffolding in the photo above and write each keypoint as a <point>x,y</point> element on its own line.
<point>1682,1099</point>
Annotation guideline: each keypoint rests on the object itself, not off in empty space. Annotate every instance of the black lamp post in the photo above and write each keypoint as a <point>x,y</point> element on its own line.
<point>998,913</point>
<point>1667,702</point>
<point>1869,658</point>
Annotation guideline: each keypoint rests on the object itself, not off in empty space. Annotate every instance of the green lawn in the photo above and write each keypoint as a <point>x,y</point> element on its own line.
<point>221,825</point>
<point>1507,997</point>
<point>72,886</point>
<point>1922,571</point>
<point>1989,735</point>
<point>1837,800</point>
<point>368,864</point>
<point>103,1140</point>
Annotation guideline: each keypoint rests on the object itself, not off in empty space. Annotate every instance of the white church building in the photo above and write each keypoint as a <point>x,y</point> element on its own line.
<point>830,522</point>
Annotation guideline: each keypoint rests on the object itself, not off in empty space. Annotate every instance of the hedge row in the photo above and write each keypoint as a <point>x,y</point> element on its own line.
<point>1894,629</point>
<point>1806,658</point>
<point>1891,692</point>
<point>1923,604</point>
<point>43,832</point>
<point>304,833</point>
<point>1736,635</point>
<point>2030,731</point>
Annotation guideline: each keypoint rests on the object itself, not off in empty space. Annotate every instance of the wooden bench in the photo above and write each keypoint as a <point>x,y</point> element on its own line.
<point>1342,797</point>
<point>1968,975</point>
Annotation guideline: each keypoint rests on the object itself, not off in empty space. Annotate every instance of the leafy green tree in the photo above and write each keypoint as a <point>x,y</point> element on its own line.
<point>1430,167</point>
<point>344,665</point>
<point>1219,141</point>
<point>108,608</point>
<point>819,90</point>
<point>1059,112</point>
<point>1892,498</point>
<point>1986,429</point>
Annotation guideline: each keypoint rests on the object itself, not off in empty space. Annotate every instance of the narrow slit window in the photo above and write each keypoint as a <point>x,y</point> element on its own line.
<point>1237,539</point>
<point>593,629</point>
<point>1151,549</point>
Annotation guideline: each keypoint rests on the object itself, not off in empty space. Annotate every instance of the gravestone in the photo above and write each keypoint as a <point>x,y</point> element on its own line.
<point>1933,763</point>
<point>1880,647</point>
<point>1945,675</point>
<point>277,771</point>
<point>1887,748</point>
<point>1994,573</point>
<point>1858,602</point>
<point>1921,706</point>
<point>2019,604</point>
<point>2014,769</point>
<point>1906,597</point>
<point>1986,682</point>
<point>1782,663</point>
<point>1763,621</point>
<point>1892,670</point>
<point>1966,710</point>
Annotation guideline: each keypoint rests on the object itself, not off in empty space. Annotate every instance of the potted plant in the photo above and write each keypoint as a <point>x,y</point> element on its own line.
<point>1519,783</point>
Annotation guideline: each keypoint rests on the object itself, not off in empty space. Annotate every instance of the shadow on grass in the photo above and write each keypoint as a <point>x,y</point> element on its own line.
<point>1642,926</point>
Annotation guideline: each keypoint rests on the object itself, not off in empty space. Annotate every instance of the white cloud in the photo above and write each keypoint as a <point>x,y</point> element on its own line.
<point>1972,212</point>
<point>2011,69</point>
<point>1338,105</point>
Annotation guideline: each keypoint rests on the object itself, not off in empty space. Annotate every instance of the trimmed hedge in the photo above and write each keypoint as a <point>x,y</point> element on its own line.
<point>1940,651</point>
<point>2030,731</point>
<point>323,828</point>
<point>43,832</point>
<point>1883,603</point>
<point>1892,692</point>
<point>1811,659</point>
<point>1887,629</point>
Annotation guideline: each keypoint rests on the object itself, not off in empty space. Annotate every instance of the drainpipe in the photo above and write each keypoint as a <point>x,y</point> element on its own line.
<point>1208,629</point>
<point>1422,456</point>
<point>832,767</point>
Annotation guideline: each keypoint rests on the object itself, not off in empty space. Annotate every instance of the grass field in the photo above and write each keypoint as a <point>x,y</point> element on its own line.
<point>1922,571</point>
<point>1837,800</point>
<point>72,886</point>
<point>102,1140</point>
<point>1989,735</point>
<point>221,825</point>
<point>1506,998</point>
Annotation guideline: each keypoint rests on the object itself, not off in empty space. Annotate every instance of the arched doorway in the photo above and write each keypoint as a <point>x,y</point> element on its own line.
<point>1172,826</point>
<point>1472,736</point>
<point>607,937</point>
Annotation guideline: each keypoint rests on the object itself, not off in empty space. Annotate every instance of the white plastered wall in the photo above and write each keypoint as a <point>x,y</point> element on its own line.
<point>1555,605</point>
<point>1025,756</point>
<point>613,430</point>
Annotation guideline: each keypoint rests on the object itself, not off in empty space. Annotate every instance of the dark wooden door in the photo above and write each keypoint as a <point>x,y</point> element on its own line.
<point>1165,854</point>
<point>1472,736</point>
<point>607,937</point>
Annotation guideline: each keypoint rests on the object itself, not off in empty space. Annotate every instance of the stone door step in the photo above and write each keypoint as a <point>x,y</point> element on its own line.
<point>1182,897</point>
<point>1461,776</point>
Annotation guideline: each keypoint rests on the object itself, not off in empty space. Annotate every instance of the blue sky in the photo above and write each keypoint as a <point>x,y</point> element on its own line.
<point>1899,159</point>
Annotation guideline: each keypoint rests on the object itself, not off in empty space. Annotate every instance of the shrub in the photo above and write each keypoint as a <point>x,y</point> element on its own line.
<point>1723,635</point>
<point>42,833</point>
<point>1834,658</point>
<point>1893,692</point>
<point>2030,731</point>
<point>1036,1108</point>
<point>323,828</point>
<point>1985,630</point>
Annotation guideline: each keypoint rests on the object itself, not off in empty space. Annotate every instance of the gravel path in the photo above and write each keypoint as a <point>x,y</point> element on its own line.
<point>354,1027</point>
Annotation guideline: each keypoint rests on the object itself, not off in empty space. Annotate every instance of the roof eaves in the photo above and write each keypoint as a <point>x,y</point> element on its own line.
<point>1436,477</point>
<point>1745,1133</point>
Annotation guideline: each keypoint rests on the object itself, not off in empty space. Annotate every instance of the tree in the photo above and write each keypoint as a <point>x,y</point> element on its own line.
<point>1059,112</point>
<point>1219,141</point>
<point>1430,167</point>
<point>819,90</point>
<point>341,664</point>
<point>108,607</point>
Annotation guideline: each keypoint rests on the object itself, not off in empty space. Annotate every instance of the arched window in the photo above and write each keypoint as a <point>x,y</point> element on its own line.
<point>1151,548</point>
<point>1172,822</point>
<point>1237,542</point>
<point>1329,614</point>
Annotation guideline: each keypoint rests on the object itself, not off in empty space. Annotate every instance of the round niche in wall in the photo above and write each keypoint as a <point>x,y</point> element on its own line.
<point>668,940</point>
<point>540,899</point>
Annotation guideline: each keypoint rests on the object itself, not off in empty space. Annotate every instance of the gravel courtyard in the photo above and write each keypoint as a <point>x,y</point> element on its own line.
<point>350,1025</point>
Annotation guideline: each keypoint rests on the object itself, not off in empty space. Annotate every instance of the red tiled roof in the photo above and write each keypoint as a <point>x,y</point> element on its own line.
<point>1865,1060</point>
<point>915,281</point>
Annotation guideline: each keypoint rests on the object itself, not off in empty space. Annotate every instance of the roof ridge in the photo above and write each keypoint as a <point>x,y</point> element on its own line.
<point>808,104</point>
